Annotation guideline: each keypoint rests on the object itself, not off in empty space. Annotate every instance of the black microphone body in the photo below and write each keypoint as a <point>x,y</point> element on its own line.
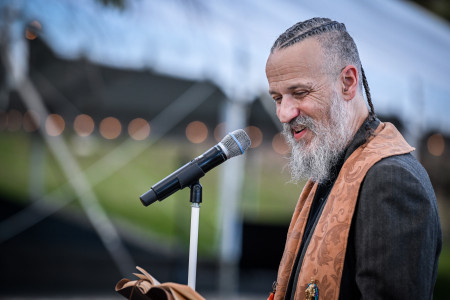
<point>185,176</point>
<point>191,172</point>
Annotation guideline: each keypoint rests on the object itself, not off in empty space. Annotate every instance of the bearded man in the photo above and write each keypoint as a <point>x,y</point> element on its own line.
<point>366,224</point>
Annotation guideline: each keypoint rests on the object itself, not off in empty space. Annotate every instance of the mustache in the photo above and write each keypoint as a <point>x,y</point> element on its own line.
<point>303,121</point>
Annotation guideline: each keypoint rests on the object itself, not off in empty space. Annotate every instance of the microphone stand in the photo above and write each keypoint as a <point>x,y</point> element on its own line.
<point>196,199</point>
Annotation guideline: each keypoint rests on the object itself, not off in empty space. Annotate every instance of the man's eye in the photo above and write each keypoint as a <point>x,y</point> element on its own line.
<point>276,99</point>
<point>300,94</point>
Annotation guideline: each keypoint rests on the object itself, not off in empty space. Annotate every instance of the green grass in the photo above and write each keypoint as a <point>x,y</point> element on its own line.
<point>14,163</point>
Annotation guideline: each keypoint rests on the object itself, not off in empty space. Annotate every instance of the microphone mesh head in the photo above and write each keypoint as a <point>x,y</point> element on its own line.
<point>235,143</point>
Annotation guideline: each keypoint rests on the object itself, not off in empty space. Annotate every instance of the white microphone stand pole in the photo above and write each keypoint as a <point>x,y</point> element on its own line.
<point>196,199</point>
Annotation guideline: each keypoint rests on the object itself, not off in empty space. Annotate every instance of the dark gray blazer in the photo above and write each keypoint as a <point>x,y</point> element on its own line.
<point>395,238</point>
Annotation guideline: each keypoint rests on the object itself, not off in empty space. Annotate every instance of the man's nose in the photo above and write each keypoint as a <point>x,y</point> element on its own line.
<point>287,110</point>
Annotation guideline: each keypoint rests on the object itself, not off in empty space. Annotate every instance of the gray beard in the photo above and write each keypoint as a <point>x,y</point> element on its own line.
<point>331,137</point>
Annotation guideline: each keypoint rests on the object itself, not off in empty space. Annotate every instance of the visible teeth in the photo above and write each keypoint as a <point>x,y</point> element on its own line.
<point>298,129</point>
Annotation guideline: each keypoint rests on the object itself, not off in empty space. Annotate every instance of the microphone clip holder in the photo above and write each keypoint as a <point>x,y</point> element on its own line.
<point>196,192</point>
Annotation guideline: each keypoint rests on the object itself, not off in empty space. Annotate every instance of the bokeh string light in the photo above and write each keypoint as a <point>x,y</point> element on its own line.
<point>219,131</point>
<point>436,144</point>
<point>196,132</point>
<point>110,128</point>
<point>54,125</point>
<point>31,121</point>
<point>33,30</point>
<point>256,136</point>
<point>279,144</point>
<point>83,125</point>
<point>139,129</point>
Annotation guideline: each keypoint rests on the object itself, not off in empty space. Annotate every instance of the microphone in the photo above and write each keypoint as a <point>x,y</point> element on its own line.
<point>233,144</point>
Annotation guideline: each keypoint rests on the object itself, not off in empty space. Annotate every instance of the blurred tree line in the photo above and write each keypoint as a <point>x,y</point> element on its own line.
<point>438,7</point>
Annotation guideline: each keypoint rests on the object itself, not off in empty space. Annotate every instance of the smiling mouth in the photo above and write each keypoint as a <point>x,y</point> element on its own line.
<point>299,129</point>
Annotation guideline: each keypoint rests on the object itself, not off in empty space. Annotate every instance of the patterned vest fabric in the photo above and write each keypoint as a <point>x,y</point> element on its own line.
<point>324,256</point>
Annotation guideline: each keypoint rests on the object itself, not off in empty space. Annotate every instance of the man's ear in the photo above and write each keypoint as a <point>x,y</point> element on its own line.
<point>349,82</point>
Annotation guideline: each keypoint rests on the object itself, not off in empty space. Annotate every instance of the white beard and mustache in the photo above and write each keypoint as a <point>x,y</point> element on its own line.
<point>330,138</point>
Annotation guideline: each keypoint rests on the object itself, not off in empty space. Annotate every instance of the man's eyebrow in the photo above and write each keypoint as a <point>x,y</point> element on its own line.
<point>298,85</point>
<point>272,92</point>
<point>292,87</point>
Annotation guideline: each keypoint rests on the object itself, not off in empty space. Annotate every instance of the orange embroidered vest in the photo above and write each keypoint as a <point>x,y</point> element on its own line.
<point>324,257</point>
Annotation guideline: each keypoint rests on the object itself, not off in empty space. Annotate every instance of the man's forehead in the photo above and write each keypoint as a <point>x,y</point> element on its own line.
<point>307,46</point>
<point>305,56</point>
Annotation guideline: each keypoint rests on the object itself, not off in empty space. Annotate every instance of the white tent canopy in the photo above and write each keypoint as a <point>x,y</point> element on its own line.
<point>404,50</point>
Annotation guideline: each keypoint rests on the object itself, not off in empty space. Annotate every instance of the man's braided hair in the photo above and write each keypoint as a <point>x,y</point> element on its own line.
<point>338,46</point>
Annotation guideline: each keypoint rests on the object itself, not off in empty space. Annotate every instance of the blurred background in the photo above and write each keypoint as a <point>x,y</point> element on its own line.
<point>100,99</point>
